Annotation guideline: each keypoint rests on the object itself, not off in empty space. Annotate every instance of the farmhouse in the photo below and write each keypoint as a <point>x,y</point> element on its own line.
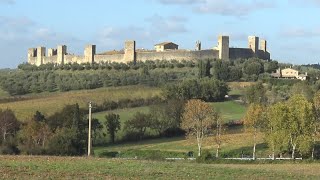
<point>289,73</point>
<point>166,46</point>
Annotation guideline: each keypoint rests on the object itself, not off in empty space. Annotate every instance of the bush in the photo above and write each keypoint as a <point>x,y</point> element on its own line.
<point>205,157</point>
<point>144,154</point>
<point>173,132</point>
<point>9,147</point>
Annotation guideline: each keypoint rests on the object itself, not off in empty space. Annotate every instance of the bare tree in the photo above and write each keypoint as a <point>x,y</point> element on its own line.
<point>8,123</point>
<point>218,119</point>
<point>197,120</point>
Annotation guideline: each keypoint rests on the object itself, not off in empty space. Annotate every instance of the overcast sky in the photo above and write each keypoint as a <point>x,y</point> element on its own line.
<point>291,27</point>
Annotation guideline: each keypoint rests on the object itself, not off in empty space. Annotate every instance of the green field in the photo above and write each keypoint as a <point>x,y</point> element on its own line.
<point>49,103</point>
<point>233,144</point>
<point>229,110</point>
<point>125,114</point>
<point>33,167</point>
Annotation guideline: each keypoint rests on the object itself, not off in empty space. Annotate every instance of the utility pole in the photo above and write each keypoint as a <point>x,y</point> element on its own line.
<point>89,130</point>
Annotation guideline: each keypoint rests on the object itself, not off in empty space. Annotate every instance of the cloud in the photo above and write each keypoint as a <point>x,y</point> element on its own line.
<point>17,34</point>
<point>165,25</point>
<point>114,37</point>
<point>236,8</point>
<point>232,8</point>
<point>7,1</point>
<point>300,33</point>
<point>157,28</point>
<point>12,28</point>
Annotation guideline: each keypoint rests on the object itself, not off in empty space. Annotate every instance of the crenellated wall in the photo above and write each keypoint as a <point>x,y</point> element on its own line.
<point>109,58</point>
<point>37,56</point>
<point>177,55</point>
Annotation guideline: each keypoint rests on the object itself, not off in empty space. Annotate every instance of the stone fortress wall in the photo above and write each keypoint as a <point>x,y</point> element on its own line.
<point>37,56</point>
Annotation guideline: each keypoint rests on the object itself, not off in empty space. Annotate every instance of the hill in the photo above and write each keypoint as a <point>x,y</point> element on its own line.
<point>49,103</point>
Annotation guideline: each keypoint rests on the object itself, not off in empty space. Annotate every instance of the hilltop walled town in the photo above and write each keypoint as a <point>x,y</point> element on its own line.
<point>163,51</point>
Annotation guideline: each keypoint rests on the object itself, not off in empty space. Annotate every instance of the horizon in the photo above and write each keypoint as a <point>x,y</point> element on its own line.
<point>291,38</point>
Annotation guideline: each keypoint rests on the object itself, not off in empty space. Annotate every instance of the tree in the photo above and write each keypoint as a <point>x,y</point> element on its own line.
<point>218,119</point>
<point>302,88</point>
<point>139,124</point>
<point>197,120</point>
<point>112,125</point>
<point>256,94</point>
<point>276,135</point>
<point>253,121</point>
<point>204,68</point>
<point>9,124</point>
<point>221,70</point>
<point>316,103</point>
<point>96,128</point>
<point>160,119</point>
<point>300,125</point>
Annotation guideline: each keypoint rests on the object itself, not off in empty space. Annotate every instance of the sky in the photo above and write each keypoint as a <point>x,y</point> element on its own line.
<point>291,27</point>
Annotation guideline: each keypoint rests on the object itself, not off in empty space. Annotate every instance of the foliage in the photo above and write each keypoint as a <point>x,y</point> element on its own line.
<point>302,88</point>
<point>255,94</point>
<point>205,89</point>
<point>112,125</point>
<point>254,121</point>
<point>197,120</point>
<point>291,124</point>
<point>221,70</point>
<point>204,68</point>
<point>9,124</point>
<point>138,124</point>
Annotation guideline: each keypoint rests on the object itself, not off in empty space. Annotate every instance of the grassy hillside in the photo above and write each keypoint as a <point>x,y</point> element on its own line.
<point>229,110</point>
<point>48,103</point>
<point>30,167</point>
<point>125,114</point>
<point>233,144</point>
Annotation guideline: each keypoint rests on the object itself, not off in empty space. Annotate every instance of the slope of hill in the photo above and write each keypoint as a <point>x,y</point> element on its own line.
<point>49,103</point>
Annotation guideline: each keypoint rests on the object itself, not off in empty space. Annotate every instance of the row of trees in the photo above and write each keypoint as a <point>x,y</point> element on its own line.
<point>45,78</point>
<point>289,126</point>
<point>207,89</point>
<point>237,70</point>
<point>109,65</point>
<point>23,82</point>
<point>163,120</point>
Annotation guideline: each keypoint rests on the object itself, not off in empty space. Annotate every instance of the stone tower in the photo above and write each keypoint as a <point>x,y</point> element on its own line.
<point>263,45</point>
<point>89,52</point>
<point>198,45</point>
<point>61,52</point>
<point>41,53</point>
<point>52,52</point>
<point>223,47</point>
<point>253,43</point>
<point>129,51</point>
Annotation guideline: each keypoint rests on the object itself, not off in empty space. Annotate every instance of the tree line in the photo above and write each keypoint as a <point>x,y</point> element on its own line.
<point>50,77</point>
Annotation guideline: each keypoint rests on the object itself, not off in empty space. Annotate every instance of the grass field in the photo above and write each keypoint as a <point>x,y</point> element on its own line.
<point>48,103</point>
<point>125,115</point>
<point>233,144</point>
<point>229,110</point>
<point>33,167</point>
